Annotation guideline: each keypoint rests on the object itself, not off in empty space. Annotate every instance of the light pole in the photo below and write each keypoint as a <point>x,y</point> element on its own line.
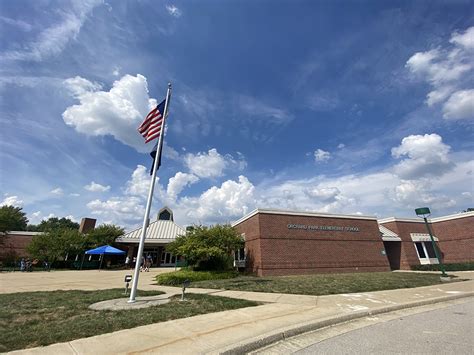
<point>424,212</point>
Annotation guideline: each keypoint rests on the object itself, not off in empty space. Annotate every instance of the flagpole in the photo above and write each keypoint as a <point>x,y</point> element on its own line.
<point>141,246</point>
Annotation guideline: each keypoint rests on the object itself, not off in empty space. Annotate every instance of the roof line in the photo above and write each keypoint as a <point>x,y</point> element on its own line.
<point>299,213</point>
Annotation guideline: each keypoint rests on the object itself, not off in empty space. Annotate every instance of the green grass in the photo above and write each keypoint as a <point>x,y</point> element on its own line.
<point>40,318</point>
<point>324,284</point>
<point>177,278</point>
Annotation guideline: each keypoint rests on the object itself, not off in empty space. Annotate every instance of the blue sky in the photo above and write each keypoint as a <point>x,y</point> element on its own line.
<point>355,107</point>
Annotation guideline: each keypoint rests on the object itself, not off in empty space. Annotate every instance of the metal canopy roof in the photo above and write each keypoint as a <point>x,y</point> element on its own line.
<point>159,231</point>
<point>388,235</point>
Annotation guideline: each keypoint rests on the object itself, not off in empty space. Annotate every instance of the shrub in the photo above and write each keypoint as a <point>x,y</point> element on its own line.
<point>177,278</point>
<point>449,267</point>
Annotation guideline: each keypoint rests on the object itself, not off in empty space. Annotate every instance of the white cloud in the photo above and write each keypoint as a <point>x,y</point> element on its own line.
<point>140,182</point>
<point>120,210</point>
<point>465,39</point>
<point>95,187</point>
<point>231,200</point>
<point>11,201</point>
<point>460,105</point>
<point>326,194</point>
<point>321,155</point>
<point>57,191</point>
<point>426,156</point>
<point>178,182</point>
<point>79,86</point>
<point>212,164</point>
<point>74,194</point>
<point>53,40</point>
<point>414,193</point>
<point>173,10</point>
<point>117,112</point>
<point>448,71</point>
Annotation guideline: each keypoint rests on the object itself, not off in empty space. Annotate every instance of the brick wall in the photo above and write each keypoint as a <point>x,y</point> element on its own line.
<point>15,245</point>
<point>251,229</point>
<point>408,255</point>
<point>285,251</point>
<point>456,239</point>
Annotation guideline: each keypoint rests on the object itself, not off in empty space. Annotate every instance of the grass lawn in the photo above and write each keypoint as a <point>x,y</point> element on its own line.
<point>40,318</point>
<point>324,284</point>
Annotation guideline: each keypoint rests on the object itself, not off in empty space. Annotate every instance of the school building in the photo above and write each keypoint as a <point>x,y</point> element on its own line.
<point>281,242</point>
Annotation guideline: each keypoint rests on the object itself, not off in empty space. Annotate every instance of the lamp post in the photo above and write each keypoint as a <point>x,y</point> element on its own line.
<point>424,212</point>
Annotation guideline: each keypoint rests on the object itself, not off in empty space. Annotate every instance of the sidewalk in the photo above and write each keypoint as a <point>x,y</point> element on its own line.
<point>242,330</point>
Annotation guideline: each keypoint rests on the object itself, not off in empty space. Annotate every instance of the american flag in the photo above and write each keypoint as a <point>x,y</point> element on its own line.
<point>151,126</point>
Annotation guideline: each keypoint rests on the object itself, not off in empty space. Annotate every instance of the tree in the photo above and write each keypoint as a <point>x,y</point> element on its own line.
<point>56,244</point>
<point>207,247</point>
<point>12,218</point>
<point>54,223</point>
<point>103,234</point>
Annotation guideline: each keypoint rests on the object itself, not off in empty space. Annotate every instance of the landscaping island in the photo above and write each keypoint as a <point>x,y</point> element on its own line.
<point>316,284</point>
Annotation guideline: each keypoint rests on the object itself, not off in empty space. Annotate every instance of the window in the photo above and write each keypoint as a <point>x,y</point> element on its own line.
<point>430,250</point>
<point>420,250</point>
<point>239,255</point>
<point>426,253</point>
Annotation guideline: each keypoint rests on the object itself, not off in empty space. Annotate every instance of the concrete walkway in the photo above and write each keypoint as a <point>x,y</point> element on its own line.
<point>243,330</point>
<point>17,281</point>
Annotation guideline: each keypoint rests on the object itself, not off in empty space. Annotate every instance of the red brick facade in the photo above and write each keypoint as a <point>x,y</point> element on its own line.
<point>456,239</point>
<point>272,248</point>
<point>14,245</point>
<point>455,234</point>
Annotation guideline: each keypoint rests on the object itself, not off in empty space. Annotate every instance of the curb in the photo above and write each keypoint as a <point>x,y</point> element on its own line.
<point>270,338</point>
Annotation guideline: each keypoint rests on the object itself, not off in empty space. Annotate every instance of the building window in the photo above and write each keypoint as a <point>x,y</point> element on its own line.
<point>426,253</point>
<point>239,258</point>
<point>420,250</point>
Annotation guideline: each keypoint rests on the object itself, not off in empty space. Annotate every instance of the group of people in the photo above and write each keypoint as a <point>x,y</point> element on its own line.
<point>27,264</point>
<point>145,263</point>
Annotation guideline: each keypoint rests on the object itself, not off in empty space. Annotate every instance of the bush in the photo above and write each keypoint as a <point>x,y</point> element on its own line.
<point>177,278</point>
<point>449,267</point>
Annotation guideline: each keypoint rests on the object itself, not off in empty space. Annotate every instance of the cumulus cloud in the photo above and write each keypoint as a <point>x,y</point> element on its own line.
<point>231,200</point>
<point>53,40</point>
<point>414,193</point>
<point>11,201</point>
<point>212,164</point>
<point>426,156</point>
<point>117,112</point>
<point>460,105</point>
<point>122,210</point>
<point>448,69</point>
<point>178,182</point>
<point>321,155</point>
<point>139,184</point>
<point>95,187</point>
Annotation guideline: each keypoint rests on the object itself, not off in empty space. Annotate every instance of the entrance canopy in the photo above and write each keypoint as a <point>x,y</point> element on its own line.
<point>105,249</point>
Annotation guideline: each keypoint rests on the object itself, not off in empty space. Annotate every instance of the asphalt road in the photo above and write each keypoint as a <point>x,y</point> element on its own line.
<point>448,330</point>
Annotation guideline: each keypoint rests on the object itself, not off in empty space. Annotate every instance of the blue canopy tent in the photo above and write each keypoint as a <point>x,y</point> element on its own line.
<point>105,249</point>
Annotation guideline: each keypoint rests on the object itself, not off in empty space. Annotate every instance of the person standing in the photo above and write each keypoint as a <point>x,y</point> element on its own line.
<point>127,262</point>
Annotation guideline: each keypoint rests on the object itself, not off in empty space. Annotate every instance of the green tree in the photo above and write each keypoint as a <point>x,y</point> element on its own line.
<point>12,218</point>
<point>103,234</point>
<point>55,223</point>
<point>56,244</point>
<point>207,247</point>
